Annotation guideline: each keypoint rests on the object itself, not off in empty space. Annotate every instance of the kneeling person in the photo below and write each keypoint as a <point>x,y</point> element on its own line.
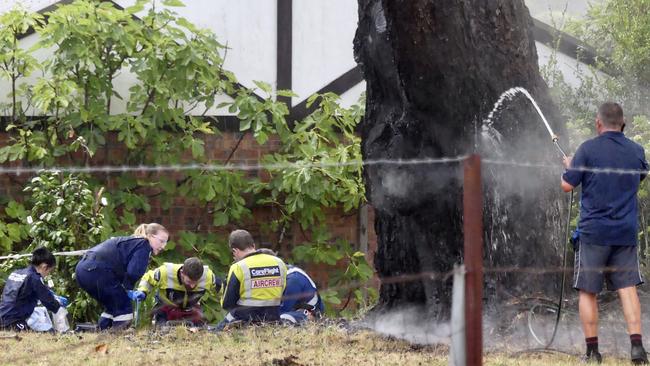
<point>300,299</point>
<point>255,283</point>
<point>24,288</point>
<point>180,288</point>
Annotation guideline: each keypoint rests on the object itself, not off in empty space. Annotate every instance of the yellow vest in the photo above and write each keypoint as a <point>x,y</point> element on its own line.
<point>171,290</point>
<point>262,279</point>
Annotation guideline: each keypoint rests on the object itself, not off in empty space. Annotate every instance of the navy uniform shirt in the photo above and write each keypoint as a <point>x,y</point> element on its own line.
<point>23,289</point>
<point>126,256</point>
<point>300,290</point>
<point>608,205</point>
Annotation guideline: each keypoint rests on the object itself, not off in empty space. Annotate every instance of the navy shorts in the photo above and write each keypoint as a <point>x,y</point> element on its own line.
<point>616,264</point>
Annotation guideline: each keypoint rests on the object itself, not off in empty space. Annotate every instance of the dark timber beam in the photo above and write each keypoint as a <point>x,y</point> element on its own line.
<point>565,43</point>
<point>339,86</point>
<point>284,60</point>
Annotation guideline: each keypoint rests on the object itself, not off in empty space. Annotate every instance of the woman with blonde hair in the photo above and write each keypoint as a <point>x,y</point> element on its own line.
<point>109,271</point>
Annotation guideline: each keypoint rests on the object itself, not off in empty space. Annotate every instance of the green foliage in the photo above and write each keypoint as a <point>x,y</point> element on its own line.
<point>70,112</point>
<point>63,215</point>
<point>619,30</point>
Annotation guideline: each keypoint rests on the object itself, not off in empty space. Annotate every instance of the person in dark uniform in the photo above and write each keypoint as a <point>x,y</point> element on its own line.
<point>24,288</point>
<point>300,299</point>
<point>608,225</point>
<point>109,271</point>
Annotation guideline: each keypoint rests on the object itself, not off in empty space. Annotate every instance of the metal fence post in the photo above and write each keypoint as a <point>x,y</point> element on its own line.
<point>458,349</point>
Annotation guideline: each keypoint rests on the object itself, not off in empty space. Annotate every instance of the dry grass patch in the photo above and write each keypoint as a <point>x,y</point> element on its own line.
<point>270,345</point>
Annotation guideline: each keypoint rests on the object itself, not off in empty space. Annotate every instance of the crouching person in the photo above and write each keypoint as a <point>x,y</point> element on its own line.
<point>255,283</point>
<point>300,299</point>
<point>110,269</point>
<point>180,288</point>
<point>24,288</point>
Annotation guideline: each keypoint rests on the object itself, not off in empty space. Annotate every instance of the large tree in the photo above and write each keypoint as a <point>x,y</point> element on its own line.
<point>434,70</point>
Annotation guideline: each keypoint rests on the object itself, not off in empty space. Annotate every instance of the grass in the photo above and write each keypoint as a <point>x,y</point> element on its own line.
<point>270,345</point>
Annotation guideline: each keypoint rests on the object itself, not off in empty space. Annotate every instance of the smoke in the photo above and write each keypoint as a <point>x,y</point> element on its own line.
<point>409,324</point>
<point>507,331</point>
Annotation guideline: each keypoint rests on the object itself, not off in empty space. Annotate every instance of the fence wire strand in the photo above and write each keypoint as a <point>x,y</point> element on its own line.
<point>109,169</point>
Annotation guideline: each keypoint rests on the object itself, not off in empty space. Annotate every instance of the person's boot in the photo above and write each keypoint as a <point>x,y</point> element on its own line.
<point>638,355</point>
<point>592,357</point>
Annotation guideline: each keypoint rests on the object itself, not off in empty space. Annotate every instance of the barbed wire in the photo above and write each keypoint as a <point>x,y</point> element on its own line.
<point>227,167</point>
<point>73,253</point>
<point>108,169</point>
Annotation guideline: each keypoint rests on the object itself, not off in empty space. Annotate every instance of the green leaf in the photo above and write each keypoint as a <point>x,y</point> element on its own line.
<point>220,219</point>
<point>15,210</point>
<point>197,148</point>
<point>173,3</point>
<point>266,87</point>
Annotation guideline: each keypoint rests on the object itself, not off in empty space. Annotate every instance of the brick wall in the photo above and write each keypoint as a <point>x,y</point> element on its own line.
<point>183,215</point>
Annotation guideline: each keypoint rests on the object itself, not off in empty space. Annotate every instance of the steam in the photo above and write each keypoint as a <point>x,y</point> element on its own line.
<point>410,324</point>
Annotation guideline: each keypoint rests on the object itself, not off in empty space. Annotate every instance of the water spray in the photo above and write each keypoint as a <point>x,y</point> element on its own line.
<point>511,93</point>
<point>487,124</point>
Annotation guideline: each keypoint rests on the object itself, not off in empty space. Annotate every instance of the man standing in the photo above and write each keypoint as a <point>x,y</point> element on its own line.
<point>608,225</point>
<point>180,290</point>
<point>255,283</point>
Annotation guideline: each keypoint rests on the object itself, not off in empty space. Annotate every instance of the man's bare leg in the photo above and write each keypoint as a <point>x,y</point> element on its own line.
<point>588,307</point>
<point>631,309</point>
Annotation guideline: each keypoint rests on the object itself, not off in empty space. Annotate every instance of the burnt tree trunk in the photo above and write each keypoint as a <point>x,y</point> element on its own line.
<point>434,69</point>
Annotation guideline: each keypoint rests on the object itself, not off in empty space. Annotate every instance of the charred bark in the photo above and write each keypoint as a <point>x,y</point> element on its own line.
<point>434,70</point>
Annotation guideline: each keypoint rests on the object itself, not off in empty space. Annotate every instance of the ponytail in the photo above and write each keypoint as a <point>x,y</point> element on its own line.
<point>145,230</point>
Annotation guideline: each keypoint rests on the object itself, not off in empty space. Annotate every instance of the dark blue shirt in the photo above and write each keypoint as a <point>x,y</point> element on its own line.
<point>300,290</point>
<point>608,205</point>
<point>127,256</point>
<point>23,289</point>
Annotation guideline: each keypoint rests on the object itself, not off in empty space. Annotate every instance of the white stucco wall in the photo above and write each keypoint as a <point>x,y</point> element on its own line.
<point>323,32</point>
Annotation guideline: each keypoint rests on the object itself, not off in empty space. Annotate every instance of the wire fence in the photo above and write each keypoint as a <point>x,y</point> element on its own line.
<point>571,338</point>
<point>109,169</point>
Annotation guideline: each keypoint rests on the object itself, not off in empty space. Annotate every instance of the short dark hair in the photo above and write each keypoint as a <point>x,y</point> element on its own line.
<point>611,114</point>
<point>42,255</point>
<point>268,251</point>
<point>241,239</point>
<point>193,268</point>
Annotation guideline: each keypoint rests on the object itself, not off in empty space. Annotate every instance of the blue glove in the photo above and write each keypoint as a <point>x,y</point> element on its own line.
<point>62,300</point>
<point>136,295</point>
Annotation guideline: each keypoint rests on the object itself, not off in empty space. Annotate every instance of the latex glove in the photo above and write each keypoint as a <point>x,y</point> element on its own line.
<point>136,295</point>
<point>61,299</point>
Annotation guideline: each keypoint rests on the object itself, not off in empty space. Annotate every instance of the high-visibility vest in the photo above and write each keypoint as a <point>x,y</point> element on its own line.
<point>171,290</point>
<point>262,279</point>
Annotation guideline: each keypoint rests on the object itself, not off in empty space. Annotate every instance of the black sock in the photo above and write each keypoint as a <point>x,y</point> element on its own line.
<point>635,339</point>
<point>592,345</point>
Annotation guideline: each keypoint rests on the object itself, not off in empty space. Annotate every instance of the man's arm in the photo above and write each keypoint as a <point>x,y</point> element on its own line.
<point>566,187</point>
<point>44,294</point>
<point>149,281</point>
<point>231,292</point>
<point>574,173</point>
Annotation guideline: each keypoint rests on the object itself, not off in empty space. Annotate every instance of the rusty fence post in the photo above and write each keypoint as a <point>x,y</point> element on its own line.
<point>473,249</point>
